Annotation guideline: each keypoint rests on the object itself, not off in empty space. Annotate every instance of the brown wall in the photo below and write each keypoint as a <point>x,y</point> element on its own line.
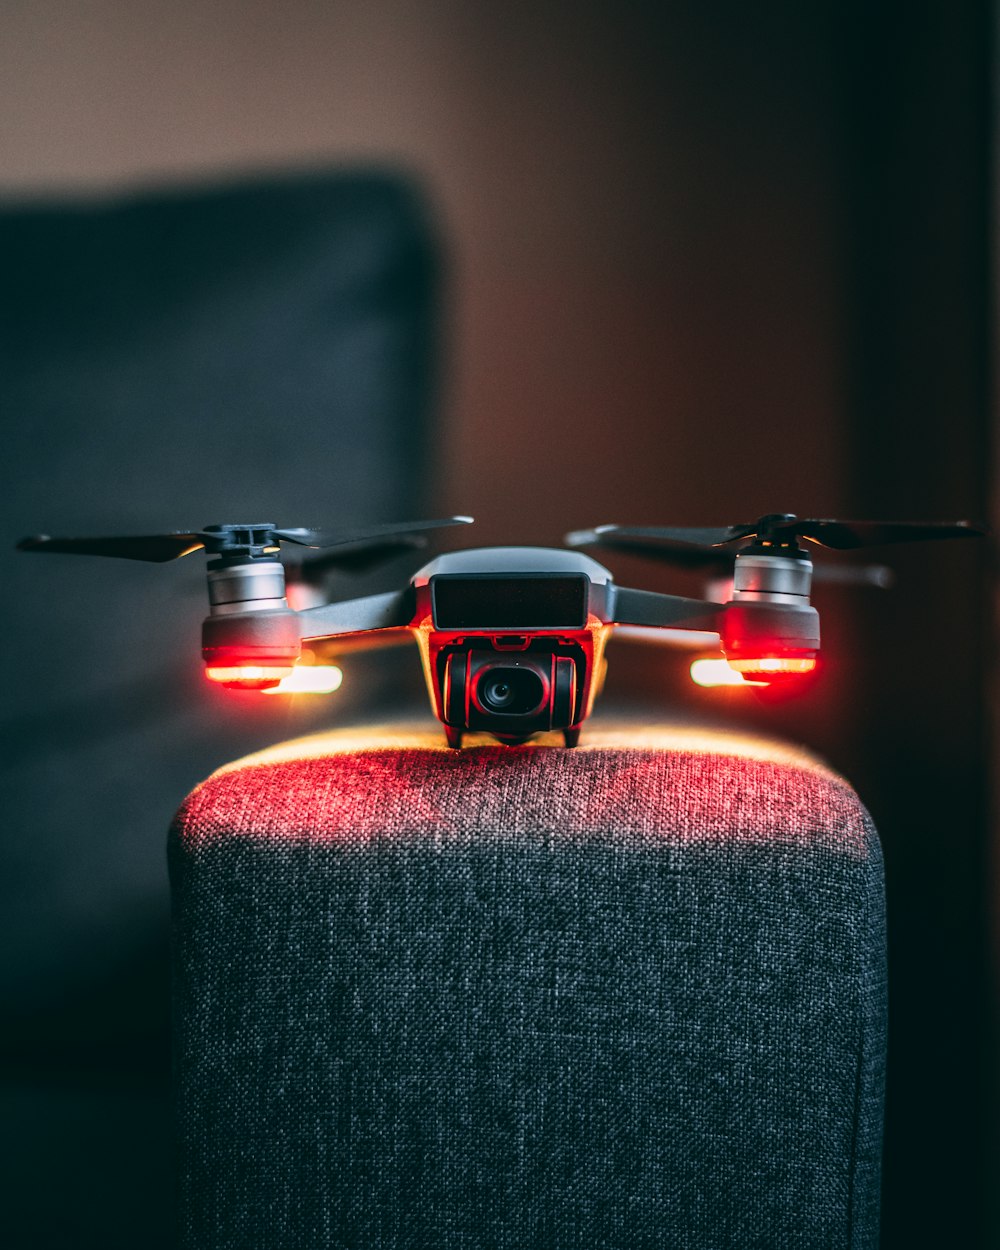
<point>641,218</point>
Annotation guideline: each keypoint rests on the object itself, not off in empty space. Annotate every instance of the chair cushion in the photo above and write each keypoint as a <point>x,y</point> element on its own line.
<point>626,995</point>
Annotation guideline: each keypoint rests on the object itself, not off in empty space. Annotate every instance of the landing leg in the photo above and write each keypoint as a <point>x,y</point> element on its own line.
<point>454,737</point>
<point>571,736</point>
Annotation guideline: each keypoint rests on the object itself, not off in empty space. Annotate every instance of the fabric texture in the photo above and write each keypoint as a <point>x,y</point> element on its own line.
<point>630,995</point>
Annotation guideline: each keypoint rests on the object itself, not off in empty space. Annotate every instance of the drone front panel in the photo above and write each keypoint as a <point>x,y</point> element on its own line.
<point>528,601</point>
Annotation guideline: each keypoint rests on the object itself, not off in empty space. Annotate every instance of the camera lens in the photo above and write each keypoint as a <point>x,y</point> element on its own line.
<point>514,691</point>
<point>498,693</point>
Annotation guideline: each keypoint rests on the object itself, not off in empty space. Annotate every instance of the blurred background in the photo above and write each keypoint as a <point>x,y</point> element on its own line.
<point>550,265</point>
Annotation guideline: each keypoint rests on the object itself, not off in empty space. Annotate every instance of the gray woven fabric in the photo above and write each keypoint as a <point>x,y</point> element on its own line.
<point>626,996</point>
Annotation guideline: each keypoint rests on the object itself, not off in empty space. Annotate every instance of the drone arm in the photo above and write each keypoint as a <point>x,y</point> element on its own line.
<point>646,607</point>
<point>392,610</point>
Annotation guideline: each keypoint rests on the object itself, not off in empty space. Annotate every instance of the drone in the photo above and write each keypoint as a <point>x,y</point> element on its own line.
<point>511,639</point>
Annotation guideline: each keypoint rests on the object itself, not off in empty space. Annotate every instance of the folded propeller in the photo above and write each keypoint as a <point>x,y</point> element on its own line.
<point>720,561</point>
<point>357,548</point>
<point>775,534</point>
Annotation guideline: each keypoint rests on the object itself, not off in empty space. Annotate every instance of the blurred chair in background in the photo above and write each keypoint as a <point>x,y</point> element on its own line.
<point>261,350</point>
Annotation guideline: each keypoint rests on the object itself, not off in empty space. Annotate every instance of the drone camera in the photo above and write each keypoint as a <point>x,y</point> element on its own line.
<point>511,640</point>
<point>512,696</point>
<point>510,689</point>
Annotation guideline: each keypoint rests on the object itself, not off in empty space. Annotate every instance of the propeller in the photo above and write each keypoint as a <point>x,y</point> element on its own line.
<point>719,561</point>
<point>685,556</point>
<point>779,530</point>
<point>359,547</point>
<point>354,558</point>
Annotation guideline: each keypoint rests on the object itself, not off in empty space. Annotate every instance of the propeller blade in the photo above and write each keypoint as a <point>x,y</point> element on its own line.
<point>714,559</point>
<point>344,538</point>
<point>681,556</point>
<point>841,535</point>
<point>159,548</point>
<point>155,548</point>
<point>352,559</point>
<point>878,575</point>
<point>686,536</point>
<point>844,535</point>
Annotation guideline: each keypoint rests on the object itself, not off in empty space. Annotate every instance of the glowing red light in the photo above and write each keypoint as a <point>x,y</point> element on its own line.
<point>775,670</point>
<point>247,676</point>
<point>773,665</point>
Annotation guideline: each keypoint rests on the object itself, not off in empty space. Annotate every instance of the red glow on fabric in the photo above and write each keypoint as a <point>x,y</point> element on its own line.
<point>483,796</point>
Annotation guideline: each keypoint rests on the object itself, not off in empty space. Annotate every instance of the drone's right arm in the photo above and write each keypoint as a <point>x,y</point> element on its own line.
<point>647,608</point>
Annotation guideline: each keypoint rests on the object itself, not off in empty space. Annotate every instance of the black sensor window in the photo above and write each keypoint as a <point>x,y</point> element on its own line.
<point>510,602</point>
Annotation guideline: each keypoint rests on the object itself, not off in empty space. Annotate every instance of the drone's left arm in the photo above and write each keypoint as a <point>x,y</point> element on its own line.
<point>373,613</point>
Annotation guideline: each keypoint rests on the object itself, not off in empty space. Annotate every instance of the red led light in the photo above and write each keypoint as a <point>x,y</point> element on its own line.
<point>768,666</point>
<point>247,676</point>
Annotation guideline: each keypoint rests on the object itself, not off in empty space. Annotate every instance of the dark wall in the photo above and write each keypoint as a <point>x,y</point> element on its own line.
<point>921,440</point>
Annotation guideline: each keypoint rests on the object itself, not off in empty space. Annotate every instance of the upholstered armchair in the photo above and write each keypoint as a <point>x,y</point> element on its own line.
<point>628,995</point>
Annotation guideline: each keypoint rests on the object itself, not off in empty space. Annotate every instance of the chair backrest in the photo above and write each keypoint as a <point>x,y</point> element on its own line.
<point>259,350</point>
